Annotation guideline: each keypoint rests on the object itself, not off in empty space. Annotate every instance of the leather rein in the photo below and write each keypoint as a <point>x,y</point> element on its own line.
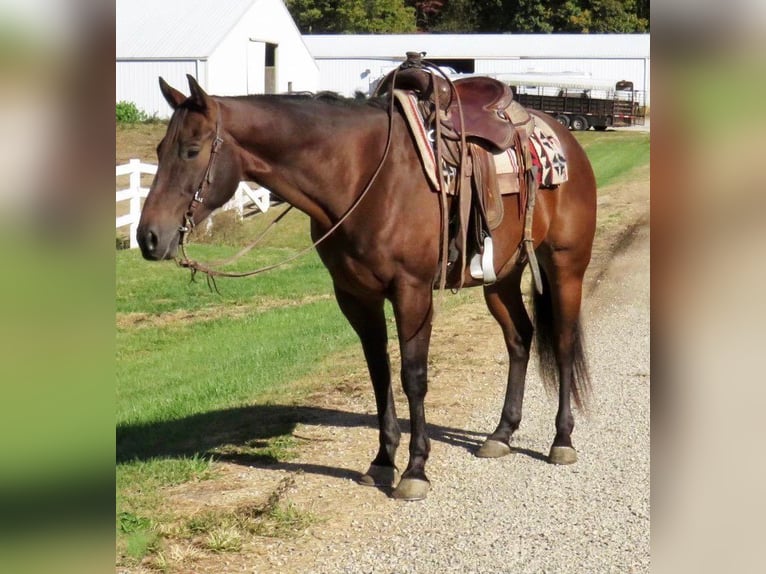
<point>199,197</point>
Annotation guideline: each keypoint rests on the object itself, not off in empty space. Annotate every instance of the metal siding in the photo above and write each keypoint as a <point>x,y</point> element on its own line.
<point>174,28</point>
<point>138,82</point>
<point>348,76</point>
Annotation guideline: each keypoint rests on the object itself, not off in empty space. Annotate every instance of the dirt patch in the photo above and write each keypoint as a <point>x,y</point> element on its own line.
<point>337,445</point>
<point>139,141</point>
<point>621,209</point>
<point>184,316</point>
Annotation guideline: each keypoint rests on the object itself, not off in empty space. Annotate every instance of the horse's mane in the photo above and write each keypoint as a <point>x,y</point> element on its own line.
<point>328,97</point>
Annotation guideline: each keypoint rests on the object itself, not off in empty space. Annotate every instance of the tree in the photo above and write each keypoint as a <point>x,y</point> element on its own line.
<point>427,12</point>
<point>352,16</point>
<point>457,16</point>
<point>615,16</point>
<point>466,16</point>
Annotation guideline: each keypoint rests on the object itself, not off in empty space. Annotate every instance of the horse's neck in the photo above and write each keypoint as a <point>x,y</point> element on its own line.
<point>310,159</point>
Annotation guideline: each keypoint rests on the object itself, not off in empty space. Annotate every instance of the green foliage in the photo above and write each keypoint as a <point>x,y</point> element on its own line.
<point>465,16</point>
<point>457,16</point>
<point>427,11</point>
<point>127,522</point>
<point>604,16</point>
<point>534,16</point>
<point>352,16</point>
<point>128,113</point>
<point>138,533</point>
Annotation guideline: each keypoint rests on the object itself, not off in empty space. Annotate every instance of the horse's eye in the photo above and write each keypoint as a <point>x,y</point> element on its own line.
<point>192,153</point>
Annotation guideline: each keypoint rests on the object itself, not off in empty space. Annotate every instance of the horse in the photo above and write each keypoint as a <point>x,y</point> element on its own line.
<point>318,154</point>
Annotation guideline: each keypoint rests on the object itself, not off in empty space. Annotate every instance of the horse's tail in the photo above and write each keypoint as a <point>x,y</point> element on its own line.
<point>546,349</point>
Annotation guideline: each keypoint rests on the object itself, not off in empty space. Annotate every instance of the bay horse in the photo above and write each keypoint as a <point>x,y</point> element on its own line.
<point>317,154</point>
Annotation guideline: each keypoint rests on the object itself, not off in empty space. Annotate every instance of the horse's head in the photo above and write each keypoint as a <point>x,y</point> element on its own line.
<point>198,171</point>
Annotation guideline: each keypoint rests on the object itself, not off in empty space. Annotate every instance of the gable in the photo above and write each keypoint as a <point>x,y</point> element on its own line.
<point>183,29</point>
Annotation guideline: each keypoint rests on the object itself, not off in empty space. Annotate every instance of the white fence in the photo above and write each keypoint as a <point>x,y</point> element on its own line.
<point>135,193</point>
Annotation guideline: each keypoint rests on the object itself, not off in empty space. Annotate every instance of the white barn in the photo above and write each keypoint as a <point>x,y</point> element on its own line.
<point>349,63</point>
<point>232,47</point>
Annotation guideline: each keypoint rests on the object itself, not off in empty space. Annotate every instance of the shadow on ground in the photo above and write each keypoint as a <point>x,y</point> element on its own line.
<point>204,434</point>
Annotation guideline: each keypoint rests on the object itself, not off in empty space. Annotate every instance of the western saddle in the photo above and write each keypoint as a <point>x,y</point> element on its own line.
<point>471,119</point>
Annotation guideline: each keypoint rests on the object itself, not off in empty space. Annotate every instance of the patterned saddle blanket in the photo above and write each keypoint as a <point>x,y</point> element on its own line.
<point>545,151</point>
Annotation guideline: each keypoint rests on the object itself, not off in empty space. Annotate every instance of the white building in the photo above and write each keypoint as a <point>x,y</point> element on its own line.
<point>348,63</point>
<point>232,47</point>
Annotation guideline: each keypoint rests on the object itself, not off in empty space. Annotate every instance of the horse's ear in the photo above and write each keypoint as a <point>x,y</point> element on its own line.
<point>198,96</point>
<point>173,96</point>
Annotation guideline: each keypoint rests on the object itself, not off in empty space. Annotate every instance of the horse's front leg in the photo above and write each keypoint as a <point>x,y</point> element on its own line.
<point>413,311</point>
<point>368,320</point>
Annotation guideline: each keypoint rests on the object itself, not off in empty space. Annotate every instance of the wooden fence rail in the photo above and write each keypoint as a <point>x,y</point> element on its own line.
<point>135,193</point>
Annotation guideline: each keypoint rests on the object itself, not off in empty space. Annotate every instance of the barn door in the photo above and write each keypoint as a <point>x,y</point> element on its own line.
<point>261,67</point>
<point>270,69</point>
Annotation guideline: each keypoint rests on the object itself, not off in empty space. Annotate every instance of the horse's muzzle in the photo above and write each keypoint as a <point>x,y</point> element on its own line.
<point>156,246</point>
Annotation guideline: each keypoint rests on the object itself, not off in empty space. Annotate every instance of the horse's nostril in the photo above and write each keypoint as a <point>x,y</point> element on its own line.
<point>150,241</point>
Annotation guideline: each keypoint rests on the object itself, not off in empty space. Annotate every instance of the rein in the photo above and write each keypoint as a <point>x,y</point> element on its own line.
<point>188,224</point>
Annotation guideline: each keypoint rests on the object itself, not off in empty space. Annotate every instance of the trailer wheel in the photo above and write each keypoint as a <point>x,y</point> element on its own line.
<point>579,123</point>
<point>563,120</point>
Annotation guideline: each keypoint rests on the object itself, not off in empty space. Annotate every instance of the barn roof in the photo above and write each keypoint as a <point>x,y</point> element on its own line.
<point>147,29</point>
<point>489,46</point>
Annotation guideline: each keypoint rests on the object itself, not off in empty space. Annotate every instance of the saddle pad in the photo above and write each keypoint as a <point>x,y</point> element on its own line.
<point>552,165</point>
<point>546,150</point>
<point>409,104</point>
<point>507,169</point>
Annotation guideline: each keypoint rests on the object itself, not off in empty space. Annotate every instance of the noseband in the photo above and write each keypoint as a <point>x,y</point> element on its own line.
<point>199,195</point>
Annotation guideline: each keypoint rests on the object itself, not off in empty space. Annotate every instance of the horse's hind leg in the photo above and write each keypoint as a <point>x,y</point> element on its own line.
<point>368,320</point>
<point>507,307</point>
<point>558,328</point>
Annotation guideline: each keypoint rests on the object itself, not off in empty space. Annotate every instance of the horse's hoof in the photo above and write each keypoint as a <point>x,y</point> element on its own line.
<point>493,449</point>
<point>411,489</point>
<point>562,455</point>
<point>378,475</point>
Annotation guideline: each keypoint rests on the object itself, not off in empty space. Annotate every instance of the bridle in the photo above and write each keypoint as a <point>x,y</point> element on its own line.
<point>199,195</point>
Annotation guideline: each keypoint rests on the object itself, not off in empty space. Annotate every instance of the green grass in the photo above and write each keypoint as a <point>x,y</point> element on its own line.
<point>614,154</point>
<point>163,287</point>
<point>164,472</point>
<point>180,370</point>
<point>193,361</point>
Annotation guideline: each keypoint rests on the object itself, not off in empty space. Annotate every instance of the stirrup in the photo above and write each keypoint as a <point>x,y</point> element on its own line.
<point>482,266</point>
